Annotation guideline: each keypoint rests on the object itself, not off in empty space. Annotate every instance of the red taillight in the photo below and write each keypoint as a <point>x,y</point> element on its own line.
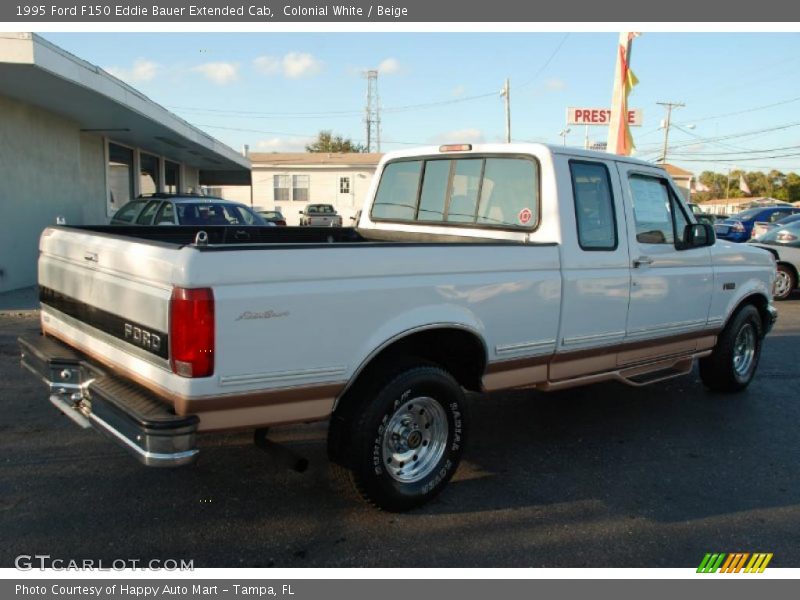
<point>738,227</point>
<point>191,332</point>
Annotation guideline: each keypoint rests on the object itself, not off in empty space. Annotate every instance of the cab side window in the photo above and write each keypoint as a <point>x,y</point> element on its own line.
<point>594,206</point>
<point>659,216</point>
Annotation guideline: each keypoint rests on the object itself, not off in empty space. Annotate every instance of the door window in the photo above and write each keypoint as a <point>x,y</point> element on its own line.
<point>658,214</point>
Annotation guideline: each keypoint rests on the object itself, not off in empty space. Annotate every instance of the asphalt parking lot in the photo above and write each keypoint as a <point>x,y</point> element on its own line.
<point>604,476</point>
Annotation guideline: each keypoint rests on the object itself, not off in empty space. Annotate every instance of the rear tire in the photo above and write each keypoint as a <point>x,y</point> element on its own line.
<point>401,440</point>
<point>733,363</point>
<point>785,282</point>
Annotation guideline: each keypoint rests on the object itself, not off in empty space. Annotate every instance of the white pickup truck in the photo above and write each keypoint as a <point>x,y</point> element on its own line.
<point>472,268</point>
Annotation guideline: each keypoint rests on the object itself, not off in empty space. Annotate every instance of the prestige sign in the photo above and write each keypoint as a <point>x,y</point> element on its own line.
<point>600,116</point>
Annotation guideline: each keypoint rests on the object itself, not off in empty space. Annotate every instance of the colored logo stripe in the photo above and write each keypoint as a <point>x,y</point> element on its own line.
<point>735,562</point>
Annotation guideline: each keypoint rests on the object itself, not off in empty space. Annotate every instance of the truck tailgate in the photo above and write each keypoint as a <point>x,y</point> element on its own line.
<point>109,289</point>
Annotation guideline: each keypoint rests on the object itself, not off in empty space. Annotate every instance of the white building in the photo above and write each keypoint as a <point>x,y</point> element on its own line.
<point>76,142</point>
<point>290,181</point>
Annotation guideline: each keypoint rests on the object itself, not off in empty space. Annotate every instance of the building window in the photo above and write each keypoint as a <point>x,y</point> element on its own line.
<point>344,185</point>
<point>300,184</point>
<point>280,184</point>
<point>149,174</point>
<point>172,177</point>
<point>120,176</point>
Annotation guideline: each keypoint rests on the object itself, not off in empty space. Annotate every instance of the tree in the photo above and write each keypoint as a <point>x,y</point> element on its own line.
<point>327,142</point>
<point>775,184</point>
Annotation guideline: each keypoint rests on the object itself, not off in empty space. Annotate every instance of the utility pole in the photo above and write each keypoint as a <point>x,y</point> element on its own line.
<point>728,185</point>
<point>669,106</point>
<point>372,116</point>
<point>505,93</point>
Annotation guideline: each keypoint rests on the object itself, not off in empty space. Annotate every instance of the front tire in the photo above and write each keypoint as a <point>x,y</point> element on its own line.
<point>403,440</point>
<point>733,363</point>
<point>785,282</point>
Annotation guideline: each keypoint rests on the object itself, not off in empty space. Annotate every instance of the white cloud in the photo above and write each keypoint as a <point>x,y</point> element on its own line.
<point>220,73</point>
<point>459,90</point>
<point>293,65</point>
<point>142,70</point>
<point>459,136</point>
<point>555,85</point>
<point>389,66</point>
<point>267,65</point>
<point>278,144</point>
<point>300,64</point>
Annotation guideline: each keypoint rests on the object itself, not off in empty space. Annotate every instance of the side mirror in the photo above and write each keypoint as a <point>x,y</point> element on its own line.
<point>300,212</point>
<point>698,235</point>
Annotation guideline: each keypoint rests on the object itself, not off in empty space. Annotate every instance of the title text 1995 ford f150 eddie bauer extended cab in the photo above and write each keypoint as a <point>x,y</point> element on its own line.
<point>471,268</point>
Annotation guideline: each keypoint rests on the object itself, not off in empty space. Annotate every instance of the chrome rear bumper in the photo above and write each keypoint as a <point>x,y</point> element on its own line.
<point>129,415</point>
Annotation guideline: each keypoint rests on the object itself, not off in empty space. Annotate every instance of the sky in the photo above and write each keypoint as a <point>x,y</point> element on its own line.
<point>275,91</point>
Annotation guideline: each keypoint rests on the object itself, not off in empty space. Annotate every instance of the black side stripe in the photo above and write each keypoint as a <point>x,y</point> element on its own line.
<point>137,335</point>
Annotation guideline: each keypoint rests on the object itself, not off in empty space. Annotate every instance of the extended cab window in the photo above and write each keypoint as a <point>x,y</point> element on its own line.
<point>487,192</point>
<point>594,206</point>
<point>659,217</point>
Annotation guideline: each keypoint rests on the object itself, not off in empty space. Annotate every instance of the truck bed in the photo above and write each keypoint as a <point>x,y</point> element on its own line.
<point>285,237</point>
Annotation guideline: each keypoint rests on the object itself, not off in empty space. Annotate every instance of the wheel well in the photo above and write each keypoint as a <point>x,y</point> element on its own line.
<point>458,351</point>
<point>761,303</point>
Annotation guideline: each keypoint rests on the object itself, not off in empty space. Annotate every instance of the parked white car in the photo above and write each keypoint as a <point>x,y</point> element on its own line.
<point>472,268</point>
<point>784,243</point>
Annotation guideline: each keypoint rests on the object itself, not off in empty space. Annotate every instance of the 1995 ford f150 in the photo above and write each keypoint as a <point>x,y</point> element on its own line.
<point>471,268</point>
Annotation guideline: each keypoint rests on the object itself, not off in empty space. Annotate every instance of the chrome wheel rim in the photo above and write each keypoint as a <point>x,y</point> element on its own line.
<point>415,439</point>
<point>744,350</point>
<point>783,283</point>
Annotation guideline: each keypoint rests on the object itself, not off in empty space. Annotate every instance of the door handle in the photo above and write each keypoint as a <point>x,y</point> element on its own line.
<point>642,260</point>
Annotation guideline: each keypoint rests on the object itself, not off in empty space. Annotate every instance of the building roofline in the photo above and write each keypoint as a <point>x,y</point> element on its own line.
<point>31,50</point>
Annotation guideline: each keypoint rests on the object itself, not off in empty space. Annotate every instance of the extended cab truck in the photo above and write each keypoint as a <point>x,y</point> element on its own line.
<point>472,268</point>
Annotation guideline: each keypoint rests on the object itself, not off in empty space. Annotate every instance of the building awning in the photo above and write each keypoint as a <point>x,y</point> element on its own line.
<point>34,71</point>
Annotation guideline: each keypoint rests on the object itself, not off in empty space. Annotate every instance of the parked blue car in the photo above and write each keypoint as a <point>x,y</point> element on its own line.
<point>738,227</point>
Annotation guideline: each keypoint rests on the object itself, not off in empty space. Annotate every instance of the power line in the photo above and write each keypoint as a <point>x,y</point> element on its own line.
<point>732,136</point>
<point>385,109</point>
<point>547,62</point>
<point>739,152</point>
<point>298,135</point>
<point>740,159</point>
<point>747,110</point>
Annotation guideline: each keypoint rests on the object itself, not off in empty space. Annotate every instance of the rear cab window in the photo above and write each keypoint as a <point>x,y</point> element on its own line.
<point>471,191</point>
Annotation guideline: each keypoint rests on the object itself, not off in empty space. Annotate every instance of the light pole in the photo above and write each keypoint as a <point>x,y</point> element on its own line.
<point>563,133</point>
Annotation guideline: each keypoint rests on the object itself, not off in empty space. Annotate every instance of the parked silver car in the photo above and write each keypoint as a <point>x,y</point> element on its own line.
<point>784,243</point>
